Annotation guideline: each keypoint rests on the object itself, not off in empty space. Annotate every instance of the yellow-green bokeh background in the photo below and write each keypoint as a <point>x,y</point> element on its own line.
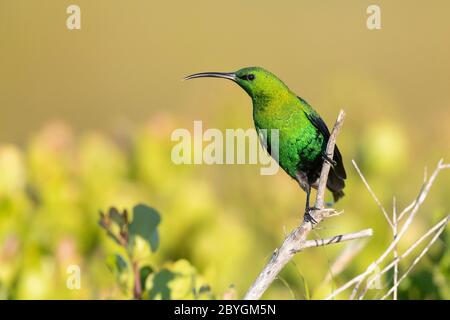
<point>86,118</point>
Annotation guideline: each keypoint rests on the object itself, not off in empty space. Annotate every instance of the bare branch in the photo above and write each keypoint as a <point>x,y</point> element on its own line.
<point>373,194</point>
<point>416,261</point>
<point>441,166</point>
<point>406,210</point>
<point>437,226</point>
<point>356,288</point>
<point>320,198</point>
<point>344,258</point>
<point>337,239</point>
<point>419,200</point>
<point>395,231</point>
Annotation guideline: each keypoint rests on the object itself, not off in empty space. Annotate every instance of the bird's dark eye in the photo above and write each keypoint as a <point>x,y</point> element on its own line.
<point>249,77</point>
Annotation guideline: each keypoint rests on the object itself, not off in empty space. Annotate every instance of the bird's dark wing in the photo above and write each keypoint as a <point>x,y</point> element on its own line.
<point>318,122</point>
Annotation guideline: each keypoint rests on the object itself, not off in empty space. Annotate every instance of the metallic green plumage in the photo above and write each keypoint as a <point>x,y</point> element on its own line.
<point>303,135</point>
<point>275,106</point>
<point>300,142</point>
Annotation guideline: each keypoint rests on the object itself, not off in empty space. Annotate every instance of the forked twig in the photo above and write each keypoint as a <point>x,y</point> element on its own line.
<point>412,210</point>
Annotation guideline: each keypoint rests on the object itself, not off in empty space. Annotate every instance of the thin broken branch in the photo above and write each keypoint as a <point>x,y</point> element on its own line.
<point>378,202</point>
<point>441,224</point>
<point>411,210</point>
<point>417,259</point>
<point>337,239</point>
<point>344,259</point>
<point>395,232</point>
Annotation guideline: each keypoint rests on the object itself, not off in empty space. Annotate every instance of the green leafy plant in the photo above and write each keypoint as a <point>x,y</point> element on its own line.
<point>138,238</point>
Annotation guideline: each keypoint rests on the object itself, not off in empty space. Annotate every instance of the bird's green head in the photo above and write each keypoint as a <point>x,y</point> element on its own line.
<point>260,84</point>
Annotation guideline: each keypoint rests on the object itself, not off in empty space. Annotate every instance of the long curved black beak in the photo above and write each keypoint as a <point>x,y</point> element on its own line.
<point>224,75</point>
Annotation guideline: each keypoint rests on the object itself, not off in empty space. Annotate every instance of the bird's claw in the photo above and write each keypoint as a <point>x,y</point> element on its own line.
<point>329,160</point>
<point>308,217</point>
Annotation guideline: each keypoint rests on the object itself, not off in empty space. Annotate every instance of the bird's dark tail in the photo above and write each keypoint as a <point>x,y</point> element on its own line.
<point>337,195</point>
<point>335,184</point>
<point>336,177</point>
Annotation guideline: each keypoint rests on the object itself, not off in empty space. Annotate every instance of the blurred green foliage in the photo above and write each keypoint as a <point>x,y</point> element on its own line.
<point>215,226</point>
<point>138,239</point>
<point>220,223</point>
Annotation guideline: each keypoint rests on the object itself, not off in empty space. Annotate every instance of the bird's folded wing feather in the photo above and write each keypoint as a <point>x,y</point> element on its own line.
<point>318,122</point>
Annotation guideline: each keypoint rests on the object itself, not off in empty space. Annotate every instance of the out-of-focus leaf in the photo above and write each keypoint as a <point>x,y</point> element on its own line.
<point>116,225</point>
<point>158,285</point>
<point>145,223</point>
<point>144,272</point>
<point>178,280</point>
<point>117,217</point>
<point>119,267</point>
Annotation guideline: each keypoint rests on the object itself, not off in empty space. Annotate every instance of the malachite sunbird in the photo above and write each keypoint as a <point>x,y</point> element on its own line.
<point>303,135</point>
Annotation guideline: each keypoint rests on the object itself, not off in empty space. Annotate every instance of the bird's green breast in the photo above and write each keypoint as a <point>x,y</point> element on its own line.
<point>300,143</point>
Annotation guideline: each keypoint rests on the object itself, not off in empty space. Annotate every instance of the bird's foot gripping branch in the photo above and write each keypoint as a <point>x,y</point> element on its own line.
<point>296,241</point>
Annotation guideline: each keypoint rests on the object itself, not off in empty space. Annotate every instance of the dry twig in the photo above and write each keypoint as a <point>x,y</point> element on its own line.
<point>412,209</point>
<point>395,231</point>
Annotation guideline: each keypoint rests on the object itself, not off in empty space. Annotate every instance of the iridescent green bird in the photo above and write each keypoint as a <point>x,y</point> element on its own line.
<point>303,135</point>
